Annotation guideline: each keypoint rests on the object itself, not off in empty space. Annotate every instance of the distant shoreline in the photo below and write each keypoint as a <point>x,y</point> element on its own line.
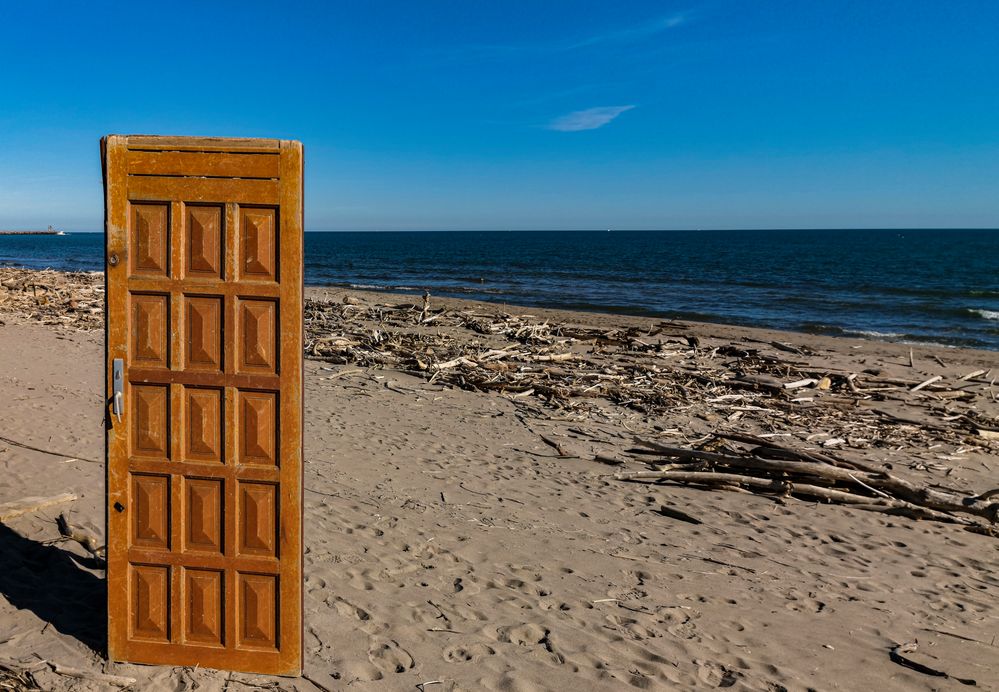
<point>32,233</point>
<point>818,229</point>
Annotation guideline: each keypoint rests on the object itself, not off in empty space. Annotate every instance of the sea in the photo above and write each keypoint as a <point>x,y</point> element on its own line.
<point>914,286</point>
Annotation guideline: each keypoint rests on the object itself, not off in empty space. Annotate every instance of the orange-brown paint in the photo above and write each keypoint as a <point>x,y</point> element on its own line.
<point>204,305</point>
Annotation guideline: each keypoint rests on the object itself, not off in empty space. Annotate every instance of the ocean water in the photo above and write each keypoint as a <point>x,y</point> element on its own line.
<point>923,286</point>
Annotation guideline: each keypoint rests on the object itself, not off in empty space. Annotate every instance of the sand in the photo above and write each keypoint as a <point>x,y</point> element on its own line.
<point>448,547</point>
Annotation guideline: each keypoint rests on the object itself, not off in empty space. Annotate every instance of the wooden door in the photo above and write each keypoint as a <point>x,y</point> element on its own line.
<point>204,460</point>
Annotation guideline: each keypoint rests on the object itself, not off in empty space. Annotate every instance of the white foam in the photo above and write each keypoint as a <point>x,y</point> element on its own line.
<point>872,334</point>
<point>987,314</point>
<point>382,287</point>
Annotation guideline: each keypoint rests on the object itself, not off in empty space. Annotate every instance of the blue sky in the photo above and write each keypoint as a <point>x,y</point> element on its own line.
<point>527,114</point>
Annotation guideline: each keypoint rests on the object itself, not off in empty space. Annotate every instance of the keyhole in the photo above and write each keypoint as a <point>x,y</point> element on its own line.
<point>113,259</point>
<point>119,507</point>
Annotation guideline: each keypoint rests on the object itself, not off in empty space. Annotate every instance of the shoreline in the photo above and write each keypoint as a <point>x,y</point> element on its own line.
<point>605,317</point>
<point>807,326</point>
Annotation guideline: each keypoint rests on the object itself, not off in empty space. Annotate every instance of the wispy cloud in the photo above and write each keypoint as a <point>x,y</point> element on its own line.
<point>627,35</point>
<point>589,119</point>
<point>631,34</point>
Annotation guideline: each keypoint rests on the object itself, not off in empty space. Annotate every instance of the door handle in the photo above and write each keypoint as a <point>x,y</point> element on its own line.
<point>117,387</point>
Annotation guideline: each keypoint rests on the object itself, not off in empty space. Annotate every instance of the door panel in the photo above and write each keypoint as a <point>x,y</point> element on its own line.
<point>204,462</point>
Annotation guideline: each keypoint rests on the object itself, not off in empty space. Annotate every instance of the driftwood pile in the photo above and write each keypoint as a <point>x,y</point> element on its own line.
<point>732,461</point>
<point>657,370</point>
<point>511,354</point>
<point>664,373</point>
<point>71,299</point>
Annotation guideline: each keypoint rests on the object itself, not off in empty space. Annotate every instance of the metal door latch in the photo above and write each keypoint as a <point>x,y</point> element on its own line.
<point>117,387</point>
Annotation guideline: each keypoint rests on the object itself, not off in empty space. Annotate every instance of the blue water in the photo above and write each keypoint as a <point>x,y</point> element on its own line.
<point>919,286</point>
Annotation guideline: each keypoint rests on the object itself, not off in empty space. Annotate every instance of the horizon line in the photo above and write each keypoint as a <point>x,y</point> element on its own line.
<point>621,230</point>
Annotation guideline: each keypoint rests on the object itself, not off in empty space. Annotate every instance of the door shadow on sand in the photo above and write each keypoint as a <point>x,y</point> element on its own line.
<point>50,582</point>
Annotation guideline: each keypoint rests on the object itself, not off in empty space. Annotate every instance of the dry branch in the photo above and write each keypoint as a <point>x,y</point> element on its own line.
<point>785,487</point>
<point>813,475</point>
<point>80,535</point>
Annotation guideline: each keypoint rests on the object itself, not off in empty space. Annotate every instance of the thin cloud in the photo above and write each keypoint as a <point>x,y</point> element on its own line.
<point>628,35</point>
<point>631,34</point>
<point>589,119</point>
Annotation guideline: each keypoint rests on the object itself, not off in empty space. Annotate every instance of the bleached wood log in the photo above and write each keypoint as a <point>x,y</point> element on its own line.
<point>104,678</point>
<point>807,382</point>
<point>926,383</point>
<point>556,358</point>
<point>26,505</point>
<point>460,360</point>
<point>971,375</point>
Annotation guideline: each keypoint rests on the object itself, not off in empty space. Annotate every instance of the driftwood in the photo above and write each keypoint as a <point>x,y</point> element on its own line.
<point>69,299</point>
<point>18,678</point>
<point>10,510</point>
<point>884,482</point>
<point>780,487</point>
<point>677,514</point>
<point>80,535</point>
<point>926,383</point>
<point>15,676</point>
<point>813,475</point>
<point>658,370</point>
<point>652,370</point>
<point>93,676</point>
<point>896,654</point>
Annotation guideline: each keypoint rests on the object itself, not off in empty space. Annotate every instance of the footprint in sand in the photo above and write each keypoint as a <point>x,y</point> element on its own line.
<point>631,627</point>
<point>314,583</point>
<point>525,635</point>
<point>529,635</point>
<point>799,603</point>
<point>715,674</point>
<point>349,609</point>
<point>388,657</point>
<point>472,652</point>
<point>554,605</point>
<point>360,671</point>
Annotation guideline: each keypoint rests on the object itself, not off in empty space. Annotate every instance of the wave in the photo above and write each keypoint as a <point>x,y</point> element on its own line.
<point>987,314</point>
<point>870,333</point>
<point>379,287</point>
<point>939,340</point>
<point>434,288</point>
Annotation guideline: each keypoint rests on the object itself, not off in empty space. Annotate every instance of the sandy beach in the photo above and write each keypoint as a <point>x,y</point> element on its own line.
<point>460,537</point>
